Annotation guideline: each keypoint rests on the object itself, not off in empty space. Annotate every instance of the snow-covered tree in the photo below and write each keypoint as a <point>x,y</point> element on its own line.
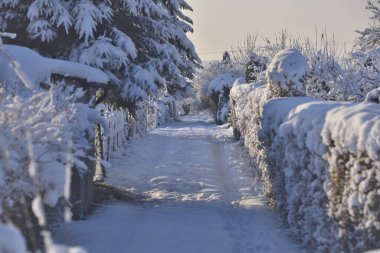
<point>256,65</point>
<point>142,45</point>
<point>370,37</point>
<point>364,65</point>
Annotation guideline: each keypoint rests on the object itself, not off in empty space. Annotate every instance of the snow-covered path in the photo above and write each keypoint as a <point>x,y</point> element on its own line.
<point>200,192</point>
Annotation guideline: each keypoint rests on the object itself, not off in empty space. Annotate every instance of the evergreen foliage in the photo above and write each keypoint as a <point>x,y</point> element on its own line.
<point>142,45</point>
<point>226,58</point>
<point>254,67</point>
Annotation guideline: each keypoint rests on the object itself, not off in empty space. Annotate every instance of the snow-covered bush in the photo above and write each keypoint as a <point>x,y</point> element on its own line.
<point>364,61</point>
<point>217,91</point>
<point>11,240</point>
<point>203,77</point>
<point>331,76</point>
<point>170,108</point>
<point>373,96</point>
<point>286,74</point>
<point>318,161</point>
<point>351,134</point>
<point>364,69</point>
<point>186,105</point>
<point>255,68</point>
<point>50,119</point>
<point>145,118</point>
<point>251,59</point>
<point>294,170</point>
<point>212,86</point>
<point>242,110</point>
<point>42,138</point>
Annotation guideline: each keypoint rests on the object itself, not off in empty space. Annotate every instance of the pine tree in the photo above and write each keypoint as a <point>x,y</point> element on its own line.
<point>142,45</point>
<point>254,67</point>
<point>226,58</point>
<point>169,49</point>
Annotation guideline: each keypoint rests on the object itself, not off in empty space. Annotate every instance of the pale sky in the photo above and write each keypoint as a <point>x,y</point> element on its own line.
<point>221,24</point>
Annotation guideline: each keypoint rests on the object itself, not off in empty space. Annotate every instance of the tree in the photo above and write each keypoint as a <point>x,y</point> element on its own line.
<point>246,48</point>
<point>254,67</point>
<point>226,58</point>
<point>365,64</point>
<point>142,45</point>
<point>370,37</point>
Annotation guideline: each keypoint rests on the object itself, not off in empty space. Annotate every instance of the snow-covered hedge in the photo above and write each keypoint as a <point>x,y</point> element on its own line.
<point>320,165</point>
<point>42,138</point>
<point>293,167</point>
<point>286,74</point>
<point>351,133</point>
<point>217,92</point>
<point>319,162</point>
<point>212,87</point>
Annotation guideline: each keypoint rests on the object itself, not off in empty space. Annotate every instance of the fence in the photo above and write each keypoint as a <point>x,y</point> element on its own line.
<point>118,126</point>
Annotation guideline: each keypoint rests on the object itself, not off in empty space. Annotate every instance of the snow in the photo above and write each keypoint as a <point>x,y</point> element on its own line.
<point>291,128</point>
<point>219,83</point>
<point>362,135</point>
<point>35,138</point>
<point>373,96</point>
<point>195,193</point>
<point>240,89</point>
<point>125,43</point>
<point>38,210</point>
<point>352,134</point>
<point>11,240</point>
<point>39,68</point>
<point>88,16</point>
<point>277,110</point>
<point>118,126</point>
<point>39,26</point>
<point>239,117</point>
<point>287,69</point>
<point>319,164</point>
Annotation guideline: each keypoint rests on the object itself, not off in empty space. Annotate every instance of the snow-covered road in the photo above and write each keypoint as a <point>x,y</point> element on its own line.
<point>201,197</point>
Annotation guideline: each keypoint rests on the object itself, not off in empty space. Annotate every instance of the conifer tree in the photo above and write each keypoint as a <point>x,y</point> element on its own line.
<point>142,45</point>
<point>226,58</point>
<point>254,67</point>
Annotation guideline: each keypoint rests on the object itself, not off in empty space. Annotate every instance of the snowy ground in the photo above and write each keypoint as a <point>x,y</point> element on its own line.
<point>200,198</point>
